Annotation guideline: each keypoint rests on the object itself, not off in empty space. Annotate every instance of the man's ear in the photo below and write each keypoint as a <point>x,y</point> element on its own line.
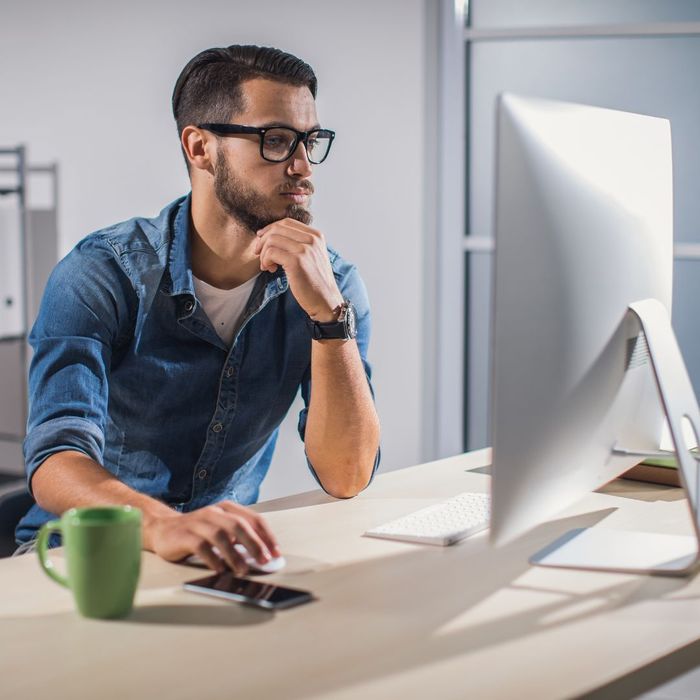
<point>199,147</point>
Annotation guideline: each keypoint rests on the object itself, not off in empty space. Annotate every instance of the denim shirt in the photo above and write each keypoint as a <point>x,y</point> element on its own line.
<point>128,369</point>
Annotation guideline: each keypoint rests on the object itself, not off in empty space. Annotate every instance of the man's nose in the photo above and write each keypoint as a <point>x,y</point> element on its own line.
<point>299,163</point>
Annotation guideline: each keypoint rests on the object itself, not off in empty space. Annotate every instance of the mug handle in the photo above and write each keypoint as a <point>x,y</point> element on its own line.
<point>41,548</point>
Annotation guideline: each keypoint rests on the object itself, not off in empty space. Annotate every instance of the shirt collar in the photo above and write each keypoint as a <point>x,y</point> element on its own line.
<point>180,264</point>
<point>179,261</point>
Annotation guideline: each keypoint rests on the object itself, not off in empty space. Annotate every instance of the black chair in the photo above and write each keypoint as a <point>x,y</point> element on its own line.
<point>15,501</point>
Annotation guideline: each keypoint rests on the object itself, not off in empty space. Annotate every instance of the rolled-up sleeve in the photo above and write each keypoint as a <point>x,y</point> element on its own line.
<point>84,313</point>
<point>353,288</point>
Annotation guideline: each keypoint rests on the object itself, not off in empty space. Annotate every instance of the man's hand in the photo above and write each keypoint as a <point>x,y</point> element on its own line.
<point>301,251</point>
<point>177,535</point>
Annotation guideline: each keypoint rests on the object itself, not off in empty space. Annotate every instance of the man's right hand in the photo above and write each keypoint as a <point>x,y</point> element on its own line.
<point>71,479</point>
<point>177,535</point>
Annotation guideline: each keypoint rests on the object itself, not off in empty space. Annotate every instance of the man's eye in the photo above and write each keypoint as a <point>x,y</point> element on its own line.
<point>277,142</point>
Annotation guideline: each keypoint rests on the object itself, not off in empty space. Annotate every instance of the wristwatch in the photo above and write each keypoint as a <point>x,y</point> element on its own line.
<point>345,328</point>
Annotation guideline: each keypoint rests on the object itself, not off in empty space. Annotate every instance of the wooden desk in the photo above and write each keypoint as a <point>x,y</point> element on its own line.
<point>393,620</point>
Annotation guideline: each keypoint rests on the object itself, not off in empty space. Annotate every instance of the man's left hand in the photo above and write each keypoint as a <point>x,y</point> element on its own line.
<point>301,251</point>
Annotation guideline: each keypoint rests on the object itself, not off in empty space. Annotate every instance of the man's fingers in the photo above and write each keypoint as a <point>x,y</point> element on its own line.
<point>212,534</point>
<point>288,229</point>
<point>224,544</point>
<point>257,524</point>
<point>204,551</point>
<point>224,528</point>
<point>304,236</point>
<point>288,224</point>
<point>296,243</point>
<point>272,256</point>
<point>265,534</point>
<point>250,539</point>
<point>299,226</point>
<point>291,245</point>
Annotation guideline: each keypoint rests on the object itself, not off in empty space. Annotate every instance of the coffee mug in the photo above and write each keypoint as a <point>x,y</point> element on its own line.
<point>103,557</point>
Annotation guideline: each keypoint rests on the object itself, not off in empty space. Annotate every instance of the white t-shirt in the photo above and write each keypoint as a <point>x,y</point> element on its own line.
<point>224,307</point>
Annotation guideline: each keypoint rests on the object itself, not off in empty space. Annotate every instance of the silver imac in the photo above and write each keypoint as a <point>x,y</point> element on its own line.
<point>586,368</point>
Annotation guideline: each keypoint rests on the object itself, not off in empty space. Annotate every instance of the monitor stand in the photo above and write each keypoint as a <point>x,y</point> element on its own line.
<point>625,551</point>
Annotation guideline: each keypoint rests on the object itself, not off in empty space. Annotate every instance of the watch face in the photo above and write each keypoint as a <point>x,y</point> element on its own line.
<point>351,321</point>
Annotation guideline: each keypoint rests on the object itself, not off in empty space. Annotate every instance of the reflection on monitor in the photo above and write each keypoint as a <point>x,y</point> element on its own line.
<point>583,346</point>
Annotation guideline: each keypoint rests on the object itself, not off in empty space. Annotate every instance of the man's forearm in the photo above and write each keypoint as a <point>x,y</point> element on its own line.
<point>71,479</point>
<point>342,429</point>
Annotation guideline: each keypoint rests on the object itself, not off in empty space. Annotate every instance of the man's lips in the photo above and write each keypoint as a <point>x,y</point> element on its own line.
<point>297,196</point>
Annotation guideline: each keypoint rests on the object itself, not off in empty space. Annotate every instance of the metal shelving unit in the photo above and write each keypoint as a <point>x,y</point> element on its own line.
<point>20,190</point>
<point>35,255</point>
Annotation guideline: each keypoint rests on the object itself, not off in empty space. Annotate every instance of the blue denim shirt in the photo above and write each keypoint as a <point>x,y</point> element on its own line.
<point>128,369</point>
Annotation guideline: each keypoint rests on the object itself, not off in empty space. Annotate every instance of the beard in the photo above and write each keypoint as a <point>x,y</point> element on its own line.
<point>248,206</point>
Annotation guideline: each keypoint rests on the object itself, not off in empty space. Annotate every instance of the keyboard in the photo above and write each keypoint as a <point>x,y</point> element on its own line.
<point>442,523</point>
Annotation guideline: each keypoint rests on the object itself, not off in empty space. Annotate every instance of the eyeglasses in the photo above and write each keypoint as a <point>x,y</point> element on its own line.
<point>277,143</point>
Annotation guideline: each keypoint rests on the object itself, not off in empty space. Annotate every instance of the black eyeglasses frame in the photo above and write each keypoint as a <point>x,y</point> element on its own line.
<point>303,136</point>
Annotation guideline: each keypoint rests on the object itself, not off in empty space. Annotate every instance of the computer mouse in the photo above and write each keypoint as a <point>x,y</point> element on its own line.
<point>271,567</point>
<point>275,564</point>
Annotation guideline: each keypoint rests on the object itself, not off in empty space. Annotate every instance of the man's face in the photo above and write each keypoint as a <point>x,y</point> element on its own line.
<point>252,190</point>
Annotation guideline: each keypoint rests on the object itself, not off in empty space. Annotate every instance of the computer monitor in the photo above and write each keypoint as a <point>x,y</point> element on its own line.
<point>585,364</point>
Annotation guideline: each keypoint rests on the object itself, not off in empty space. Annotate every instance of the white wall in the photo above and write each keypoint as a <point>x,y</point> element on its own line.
<point>88,84</point>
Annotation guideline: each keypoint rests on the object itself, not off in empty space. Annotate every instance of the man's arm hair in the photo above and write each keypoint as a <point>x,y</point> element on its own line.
<point>339,424</point>
<point>71,479</point>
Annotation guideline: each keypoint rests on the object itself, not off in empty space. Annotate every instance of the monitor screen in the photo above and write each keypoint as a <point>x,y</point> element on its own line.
<point>584,229</point>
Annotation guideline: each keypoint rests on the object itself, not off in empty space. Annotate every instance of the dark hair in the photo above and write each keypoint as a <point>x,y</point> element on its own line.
<point>209,87</point>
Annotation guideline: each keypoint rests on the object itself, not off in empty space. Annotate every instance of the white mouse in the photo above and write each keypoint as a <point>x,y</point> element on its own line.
<point>275,564</point>
<point>271,567</point>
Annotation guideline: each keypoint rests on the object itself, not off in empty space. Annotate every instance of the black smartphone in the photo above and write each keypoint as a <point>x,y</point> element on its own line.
<point>243,590</point>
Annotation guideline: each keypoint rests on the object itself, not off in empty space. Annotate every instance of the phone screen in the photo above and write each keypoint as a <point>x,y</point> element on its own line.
<point>264,595</point>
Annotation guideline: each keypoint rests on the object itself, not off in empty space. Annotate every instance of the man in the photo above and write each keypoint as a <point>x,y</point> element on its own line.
<point>167,351</point>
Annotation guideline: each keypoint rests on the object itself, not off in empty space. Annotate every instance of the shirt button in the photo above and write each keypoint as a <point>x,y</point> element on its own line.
<point>229,371</point>
<point>217,427</point>
<point>189,305</point>
<point>202,473</point>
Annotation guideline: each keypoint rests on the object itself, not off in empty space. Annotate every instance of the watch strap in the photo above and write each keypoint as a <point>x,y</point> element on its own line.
<point>343,328</point>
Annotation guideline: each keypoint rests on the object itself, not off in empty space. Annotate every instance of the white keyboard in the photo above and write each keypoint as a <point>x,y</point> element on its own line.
<point>443,523</point>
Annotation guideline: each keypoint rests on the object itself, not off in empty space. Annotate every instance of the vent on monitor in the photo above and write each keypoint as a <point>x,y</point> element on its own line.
<point>637,352</point>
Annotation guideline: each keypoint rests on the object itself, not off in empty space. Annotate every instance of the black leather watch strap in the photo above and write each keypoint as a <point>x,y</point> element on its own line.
<point>345,328</point>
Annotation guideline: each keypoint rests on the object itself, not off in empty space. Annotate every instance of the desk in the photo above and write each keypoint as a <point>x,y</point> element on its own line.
<point>393,620</point>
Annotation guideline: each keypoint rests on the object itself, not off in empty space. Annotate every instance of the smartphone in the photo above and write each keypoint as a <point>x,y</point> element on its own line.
<point>243,590</point>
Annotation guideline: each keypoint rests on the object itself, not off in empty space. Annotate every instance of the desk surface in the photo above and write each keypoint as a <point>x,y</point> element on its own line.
<point>392,620</point>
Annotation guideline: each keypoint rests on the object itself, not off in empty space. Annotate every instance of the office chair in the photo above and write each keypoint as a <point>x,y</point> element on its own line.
<point>15,501</point>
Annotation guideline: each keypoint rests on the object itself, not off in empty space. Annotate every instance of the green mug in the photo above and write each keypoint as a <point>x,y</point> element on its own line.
<point>103,557</point>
